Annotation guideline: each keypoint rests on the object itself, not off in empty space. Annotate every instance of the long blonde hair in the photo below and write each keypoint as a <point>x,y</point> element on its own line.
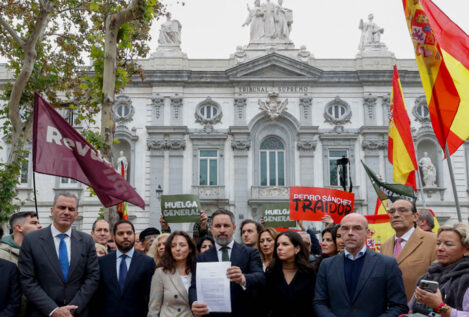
<point>153,251</point>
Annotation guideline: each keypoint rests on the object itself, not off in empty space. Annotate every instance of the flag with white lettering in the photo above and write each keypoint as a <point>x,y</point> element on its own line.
<point>58,149</point>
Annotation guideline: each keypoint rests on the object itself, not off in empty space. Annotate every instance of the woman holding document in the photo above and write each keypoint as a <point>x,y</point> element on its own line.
<point>290,278</point>
<point>171,281</point>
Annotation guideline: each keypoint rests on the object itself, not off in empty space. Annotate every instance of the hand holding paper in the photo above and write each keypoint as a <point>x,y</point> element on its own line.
<point>235,274</point>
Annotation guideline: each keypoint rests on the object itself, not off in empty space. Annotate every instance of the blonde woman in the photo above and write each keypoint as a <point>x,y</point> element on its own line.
<point>100,250</point>
<point>266,245</point>
<point>157,248</point>
<point>170,284</point>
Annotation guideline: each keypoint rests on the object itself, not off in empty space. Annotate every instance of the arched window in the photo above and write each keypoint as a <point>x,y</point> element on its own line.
<point>272,162</point>
<point>337,111</point>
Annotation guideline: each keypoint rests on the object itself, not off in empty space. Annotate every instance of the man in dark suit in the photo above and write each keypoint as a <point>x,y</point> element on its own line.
<point>126,274</point>
<point>246,270</point>
<point>59,271</point>
<point>10,293</point>
<point>359,282</point>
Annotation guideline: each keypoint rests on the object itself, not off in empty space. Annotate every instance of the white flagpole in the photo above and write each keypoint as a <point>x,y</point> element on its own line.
<point>453,182</point>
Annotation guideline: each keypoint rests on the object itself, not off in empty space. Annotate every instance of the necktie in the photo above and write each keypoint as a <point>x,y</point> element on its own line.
<point>63,255</point>
<point>398,248</point>
<point>224,254</point>
<point>122,272</point>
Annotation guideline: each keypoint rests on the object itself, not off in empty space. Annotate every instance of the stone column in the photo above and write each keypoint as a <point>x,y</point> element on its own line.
<point>241,145</point>
<point>240,111</point>
<point>386,104</point>
<point>176,110</point>
<point>306,149</point>
<point>176,169</point>
<point>157,102</point>
<point>369,104</point>
<point>156,148</point>
<point>305,110</point>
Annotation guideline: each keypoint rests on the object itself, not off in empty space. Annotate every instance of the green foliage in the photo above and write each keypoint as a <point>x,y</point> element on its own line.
<point>75,30</point>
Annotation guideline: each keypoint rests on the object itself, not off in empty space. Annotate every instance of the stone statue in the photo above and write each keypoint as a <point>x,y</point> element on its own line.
<point>428,171</point>
<point>371,33</point>
<point>270,23</point>
<point>303,54</point>
<point>170,32</point>
<point>256,19</point>
<point>283,21</point>
<point>122,163</point>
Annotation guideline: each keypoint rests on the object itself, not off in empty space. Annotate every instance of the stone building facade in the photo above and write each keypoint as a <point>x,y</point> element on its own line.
<point>239,131</point>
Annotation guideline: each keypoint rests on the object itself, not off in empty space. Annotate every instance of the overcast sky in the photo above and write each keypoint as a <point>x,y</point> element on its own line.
<point>328,28</point>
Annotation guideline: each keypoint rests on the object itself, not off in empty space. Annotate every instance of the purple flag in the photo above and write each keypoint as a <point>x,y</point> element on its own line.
<point>58,149</point>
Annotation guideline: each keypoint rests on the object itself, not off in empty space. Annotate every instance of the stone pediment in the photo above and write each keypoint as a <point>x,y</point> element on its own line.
<point>274,67</point>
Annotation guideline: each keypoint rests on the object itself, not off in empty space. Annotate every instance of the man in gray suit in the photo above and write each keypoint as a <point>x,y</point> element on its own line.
<point>59,271</point>
<point>359,282</point>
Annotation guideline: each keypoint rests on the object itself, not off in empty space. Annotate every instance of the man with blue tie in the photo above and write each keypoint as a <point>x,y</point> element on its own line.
<point>59,271</point>
<point>245,273</point>
<point>359,282</point>
<point>124,289</point>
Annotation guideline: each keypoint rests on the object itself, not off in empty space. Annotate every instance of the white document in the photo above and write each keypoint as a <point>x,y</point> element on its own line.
<point>213,286</point>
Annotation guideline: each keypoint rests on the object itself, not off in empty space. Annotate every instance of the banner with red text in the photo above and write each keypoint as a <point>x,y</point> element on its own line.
<point>313,203</point>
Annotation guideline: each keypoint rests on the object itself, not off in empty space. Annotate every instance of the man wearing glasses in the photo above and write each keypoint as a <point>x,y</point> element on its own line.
<point>413,248</point>
<point>358,282</point>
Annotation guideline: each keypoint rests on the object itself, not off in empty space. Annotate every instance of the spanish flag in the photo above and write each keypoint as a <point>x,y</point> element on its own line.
<point>401,152</point>
<point>123,207</point>
<point>379,225</point>
<point>441,50</point>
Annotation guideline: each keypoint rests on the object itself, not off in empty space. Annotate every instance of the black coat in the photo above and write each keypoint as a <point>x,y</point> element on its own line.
<point>249,261</point>
<point>10,292</point>
<point>289,300</point>
<point>133,300</point>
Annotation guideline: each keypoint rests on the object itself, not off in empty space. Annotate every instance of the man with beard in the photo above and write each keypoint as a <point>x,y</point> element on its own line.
<point>245,273</point>
<point>124,287</point>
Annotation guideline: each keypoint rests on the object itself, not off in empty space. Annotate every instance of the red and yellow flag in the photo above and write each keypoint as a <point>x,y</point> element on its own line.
<point>379,225</point>
<point>123,207</point>
<point>401,152</point>
<point>441,50</point>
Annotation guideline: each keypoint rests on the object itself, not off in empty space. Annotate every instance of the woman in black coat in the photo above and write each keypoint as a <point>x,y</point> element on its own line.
<point>290,279</point>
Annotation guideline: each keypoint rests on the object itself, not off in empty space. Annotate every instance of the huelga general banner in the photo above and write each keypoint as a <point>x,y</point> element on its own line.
<point>313,203</point>
<point>180,208</point>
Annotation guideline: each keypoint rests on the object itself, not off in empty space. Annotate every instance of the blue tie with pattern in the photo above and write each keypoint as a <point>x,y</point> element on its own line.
<point>63,256</point>
<point>122,271</point>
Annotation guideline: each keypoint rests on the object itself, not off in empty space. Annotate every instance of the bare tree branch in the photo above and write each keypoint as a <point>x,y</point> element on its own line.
<point>12,32</point>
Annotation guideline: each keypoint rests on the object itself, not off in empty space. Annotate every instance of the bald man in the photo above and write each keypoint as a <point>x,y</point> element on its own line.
<point>346,282</point>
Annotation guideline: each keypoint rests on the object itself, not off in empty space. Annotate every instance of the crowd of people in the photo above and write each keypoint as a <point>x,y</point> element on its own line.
<point>59,271</point>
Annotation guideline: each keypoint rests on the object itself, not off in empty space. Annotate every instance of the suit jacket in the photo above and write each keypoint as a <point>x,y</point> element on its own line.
<point>41,277</point>
<point>168,297</point>
<point>133,299</point>
<point>289,300</point>
<point>10,292</point>
<point>379,291</point>
<point>415,258</point>
<point>249,261</point>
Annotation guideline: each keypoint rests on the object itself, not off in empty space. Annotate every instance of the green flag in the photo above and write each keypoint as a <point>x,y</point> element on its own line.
<point>389,191</point>
<point>180,208</point>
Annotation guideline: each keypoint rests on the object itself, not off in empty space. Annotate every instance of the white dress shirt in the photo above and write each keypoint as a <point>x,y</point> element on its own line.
<point>361,253</point>
<point>219,252</point>
<point>55,235</point>
<point>128,259</point>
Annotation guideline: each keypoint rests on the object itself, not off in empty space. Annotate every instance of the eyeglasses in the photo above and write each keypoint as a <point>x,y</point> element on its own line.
<point>400,210</point>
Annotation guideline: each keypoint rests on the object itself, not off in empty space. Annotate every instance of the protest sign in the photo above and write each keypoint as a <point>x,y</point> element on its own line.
<point>180,208</point>
<point>278,215</point>
<point>313,203</point>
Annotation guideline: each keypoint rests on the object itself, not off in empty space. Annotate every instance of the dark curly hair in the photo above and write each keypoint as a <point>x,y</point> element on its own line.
<point>167,261</point>
<point>301,258</point>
